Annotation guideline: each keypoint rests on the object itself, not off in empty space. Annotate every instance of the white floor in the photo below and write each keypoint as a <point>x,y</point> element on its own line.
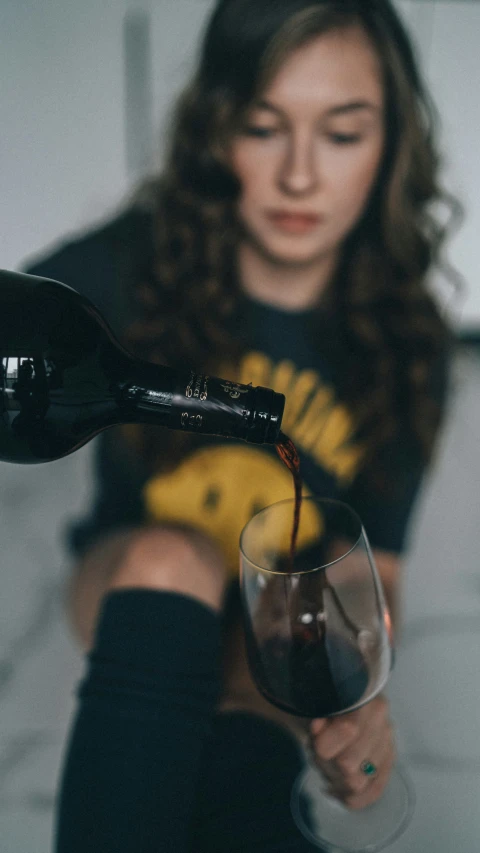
<point>435,688</point>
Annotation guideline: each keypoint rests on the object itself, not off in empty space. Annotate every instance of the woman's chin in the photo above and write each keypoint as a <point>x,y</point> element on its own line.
<point>286,253</point>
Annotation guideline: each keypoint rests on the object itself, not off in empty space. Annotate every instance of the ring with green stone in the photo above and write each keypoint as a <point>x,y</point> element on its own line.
<point>368,768</point>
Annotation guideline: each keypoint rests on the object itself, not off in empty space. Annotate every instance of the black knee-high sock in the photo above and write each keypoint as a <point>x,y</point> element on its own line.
<point>145,712</point>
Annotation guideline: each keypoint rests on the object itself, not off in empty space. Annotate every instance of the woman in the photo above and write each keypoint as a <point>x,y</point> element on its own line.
<point>286,243</point>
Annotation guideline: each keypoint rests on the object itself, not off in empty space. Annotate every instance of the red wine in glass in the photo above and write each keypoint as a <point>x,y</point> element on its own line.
<point>310,674</point>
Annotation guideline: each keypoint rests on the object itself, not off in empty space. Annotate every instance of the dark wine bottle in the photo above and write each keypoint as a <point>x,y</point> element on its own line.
<point>64,377</point>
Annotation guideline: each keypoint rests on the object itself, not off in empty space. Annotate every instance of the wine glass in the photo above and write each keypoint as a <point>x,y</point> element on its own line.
<point>319,644</point>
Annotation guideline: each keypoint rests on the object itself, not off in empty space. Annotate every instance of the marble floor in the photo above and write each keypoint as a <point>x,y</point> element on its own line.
<point>435,688</point>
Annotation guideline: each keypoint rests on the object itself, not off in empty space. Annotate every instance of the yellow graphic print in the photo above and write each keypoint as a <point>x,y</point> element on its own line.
<point>218,488</point>
<point>313,419</point>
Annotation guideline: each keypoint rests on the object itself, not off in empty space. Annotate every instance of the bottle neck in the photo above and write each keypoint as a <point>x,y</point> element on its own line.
<point>145,395</point>
<point>193,402</point>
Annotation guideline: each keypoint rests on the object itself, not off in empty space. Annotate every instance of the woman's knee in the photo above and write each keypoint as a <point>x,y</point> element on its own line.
<point>175,560</point>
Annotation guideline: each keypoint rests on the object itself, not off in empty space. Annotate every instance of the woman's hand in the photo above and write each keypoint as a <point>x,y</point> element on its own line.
<point>341,745</point>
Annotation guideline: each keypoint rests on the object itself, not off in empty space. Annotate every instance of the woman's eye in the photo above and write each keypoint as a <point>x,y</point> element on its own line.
<point>260,132</point>
<point>345,138</point>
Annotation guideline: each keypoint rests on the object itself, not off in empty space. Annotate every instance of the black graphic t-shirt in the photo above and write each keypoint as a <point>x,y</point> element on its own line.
<point>221,483</point>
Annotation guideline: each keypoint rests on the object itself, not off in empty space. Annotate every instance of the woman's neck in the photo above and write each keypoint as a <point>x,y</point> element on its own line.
<point>291,287</point>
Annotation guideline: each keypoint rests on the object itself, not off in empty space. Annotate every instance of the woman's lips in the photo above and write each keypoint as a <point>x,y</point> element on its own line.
<point>294,223</point>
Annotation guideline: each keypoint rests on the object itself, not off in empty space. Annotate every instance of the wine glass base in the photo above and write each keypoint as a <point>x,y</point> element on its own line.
<point>330,825</point>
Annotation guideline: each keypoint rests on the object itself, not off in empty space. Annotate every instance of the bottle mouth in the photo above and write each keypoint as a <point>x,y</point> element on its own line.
<point>264,426</point>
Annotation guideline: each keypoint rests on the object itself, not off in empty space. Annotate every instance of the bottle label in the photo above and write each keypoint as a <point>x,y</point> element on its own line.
<point>234,391</point>
<point>197,387</point>
<point>191,422</point>
<point>211,406</point>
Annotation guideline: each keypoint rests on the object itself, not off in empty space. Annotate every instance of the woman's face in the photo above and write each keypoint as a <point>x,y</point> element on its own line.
<point>309,151</point>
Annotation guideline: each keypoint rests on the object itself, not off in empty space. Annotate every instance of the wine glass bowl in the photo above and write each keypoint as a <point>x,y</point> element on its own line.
<point>315,630</point>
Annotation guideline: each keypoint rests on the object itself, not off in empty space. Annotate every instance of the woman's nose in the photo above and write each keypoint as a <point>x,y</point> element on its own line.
<point>299,171</point>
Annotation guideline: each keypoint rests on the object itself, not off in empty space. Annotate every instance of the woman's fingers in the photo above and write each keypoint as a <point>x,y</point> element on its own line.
<point>375,786</point>
<point>341,745</point>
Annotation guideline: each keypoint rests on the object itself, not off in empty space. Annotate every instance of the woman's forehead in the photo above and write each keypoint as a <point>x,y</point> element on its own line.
<point>331,70</point>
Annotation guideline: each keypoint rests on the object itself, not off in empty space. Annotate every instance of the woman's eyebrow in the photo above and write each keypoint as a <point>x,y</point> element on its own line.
<point>339,109</point>
<point>354,106</point>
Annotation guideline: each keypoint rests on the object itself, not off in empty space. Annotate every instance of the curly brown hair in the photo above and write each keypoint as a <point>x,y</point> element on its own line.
<point>387,321</point>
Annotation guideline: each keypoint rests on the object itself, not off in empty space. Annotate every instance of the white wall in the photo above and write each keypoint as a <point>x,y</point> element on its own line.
<point>62,112</point>
<point>447,33</point>
<point>62,140</point>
